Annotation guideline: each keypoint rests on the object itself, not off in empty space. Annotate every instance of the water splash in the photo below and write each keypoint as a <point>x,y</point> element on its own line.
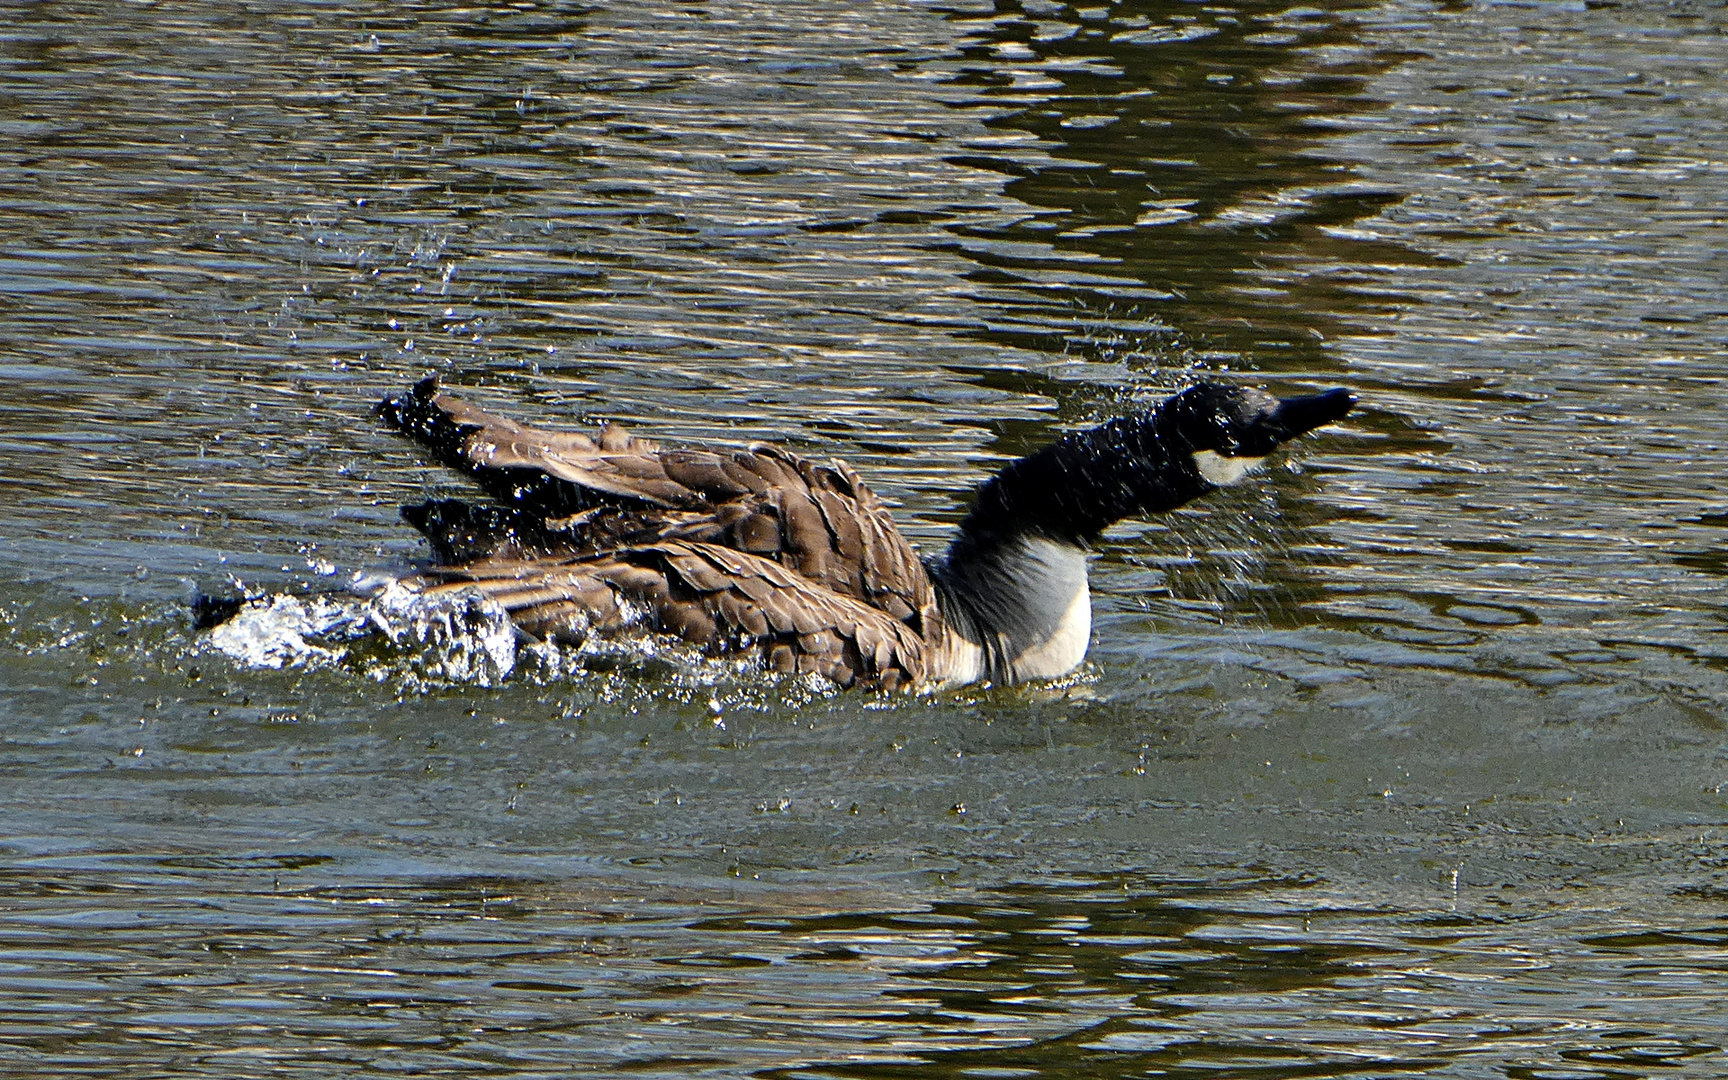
<point>391,633</point>
<point>396,634</point>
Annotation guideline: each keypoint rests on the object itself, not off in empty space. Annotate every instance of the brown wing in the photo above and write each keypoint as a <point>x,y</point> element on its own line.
<point>600,494</point>
<point>719,599</point>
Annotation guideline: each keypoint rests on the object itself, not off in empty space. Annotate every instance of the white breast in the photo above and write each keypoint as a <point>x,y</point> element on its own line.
<point>1064,649</point>
<point>957,662</point>
<point>1017,611</point>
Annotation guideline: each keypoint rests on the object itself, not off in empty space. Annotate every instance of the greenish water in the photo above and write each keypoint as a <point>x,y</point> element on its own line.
<point>1407,760</point>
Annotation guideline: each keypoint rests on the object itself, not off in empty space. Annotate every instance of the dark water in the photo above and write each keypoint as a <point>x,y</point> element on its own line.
<point>1408,760</point>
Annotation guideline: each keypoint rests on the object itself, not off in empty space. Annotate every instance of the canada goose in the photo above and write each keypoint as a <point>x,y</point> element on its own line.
<point>760,551</point>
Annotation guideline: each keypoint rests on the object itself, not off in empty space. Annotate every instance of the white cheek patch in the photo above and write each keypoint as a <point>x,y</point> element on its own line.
<point>1221,471</point>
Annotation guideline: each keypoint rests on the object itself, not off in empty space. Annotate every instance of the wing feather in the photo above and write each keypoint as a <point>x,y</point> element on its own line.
<point>566,494</point>
<point>713,597</point>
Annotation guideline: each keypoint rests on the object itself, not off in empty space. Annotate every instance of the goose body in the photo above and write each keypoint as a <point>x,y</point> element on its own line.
<point>759,551</point>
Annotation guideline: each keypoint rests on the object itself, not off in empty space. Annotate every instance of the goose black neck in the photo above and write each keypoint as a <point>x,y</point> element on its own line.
<point>1079,486</point>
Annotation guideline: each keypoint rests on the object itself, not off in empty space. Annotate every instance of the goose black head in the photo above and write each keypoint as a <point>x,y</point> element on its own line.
<point>1226,431</point>
<point>1148,462</point>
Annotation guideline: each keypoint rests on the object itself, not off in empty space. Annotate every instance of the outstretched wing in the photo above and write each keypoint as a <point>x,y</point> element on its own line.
<point>568,493</point>
<point>717,598</point>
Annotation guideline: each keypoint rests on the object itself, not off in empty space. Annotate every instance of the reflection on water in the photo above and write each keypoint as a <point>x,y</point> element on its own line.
<point>1187,180</point>
<point>1113,978</point>
<point>1410,759</point>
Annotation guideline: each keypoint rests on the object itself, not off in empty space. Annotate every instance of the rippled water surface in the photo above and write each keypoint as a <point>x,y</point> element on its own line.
<point>1408,759</point>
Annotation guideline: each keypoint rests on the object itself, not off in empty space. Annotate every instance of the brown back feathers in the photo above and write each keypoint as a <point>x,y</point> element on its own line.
<point>752,550</point>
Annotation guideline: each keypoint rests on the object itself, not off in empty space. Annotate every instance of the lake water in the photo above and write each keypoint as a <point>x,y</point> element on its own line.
<point>1408,759</point>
